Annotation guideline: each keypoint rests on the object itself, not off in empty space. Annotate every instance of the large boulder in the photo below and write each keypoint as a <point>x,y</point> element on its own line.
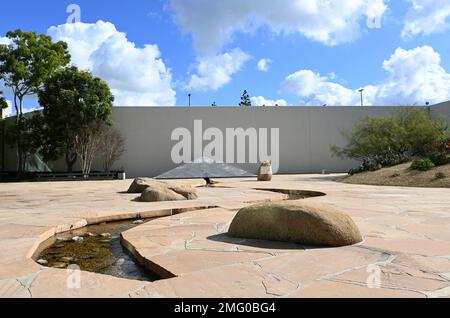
<point>160,194</point>
<point>265,171</point>
<point>152,190</point>
<point>188,192</point>
<point>140,184</point>
<point>300,222</point>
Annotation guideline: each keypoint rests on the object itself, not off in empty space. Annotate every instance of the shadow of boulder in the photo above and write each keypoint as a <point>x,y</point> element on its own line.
<point>273,245</point>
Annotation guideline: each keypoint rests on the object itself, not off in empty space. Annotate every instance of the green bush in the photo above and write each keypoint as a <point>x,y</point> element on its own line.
<point>379,161</point>
<point>439,158</point>
<point>379,141</point>
<point>440,175</point>
<point>422,165</point>
<point>424,135</point>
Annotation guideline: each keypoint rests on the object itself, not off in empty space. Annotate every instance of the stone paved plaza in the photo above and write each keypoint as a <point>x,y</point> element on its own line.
<point>405,253</point>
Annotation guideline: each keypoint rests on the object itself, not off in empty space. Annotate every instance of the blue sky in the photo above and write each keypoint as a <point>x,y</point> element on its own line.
<point>317,54</point>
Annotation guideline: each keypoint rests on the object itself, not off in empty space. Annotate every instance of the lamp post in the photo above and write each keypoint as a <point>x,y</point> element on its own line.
<point>362,100</point>
<point>189,95</point>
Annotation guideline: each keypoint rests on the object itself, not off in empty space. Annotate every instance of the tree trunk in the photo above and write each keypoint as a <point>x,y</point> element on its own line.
<point>20,151</point>
<point>71,159</point>
<point>20,157</point>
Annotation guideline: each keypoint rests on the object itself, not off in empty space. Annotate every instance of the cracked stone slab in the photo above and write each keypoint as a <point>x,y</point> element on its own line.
<point>396,276</point>
<point>427,264</point>
<point>223,242</point>
<point>386,231</point>
<point>232,281</point>
<point>18,269</point>
<point>15,250</point>
<point>331,289</point>
<point>52,283</point>
<point>420,247</point>
<point>320,263</point>
<point>441,293</point>
<point>188,261</point>
<point>12,288</point>
<point>13,231</point>
<point>436,232</point>
<point>196,241</point>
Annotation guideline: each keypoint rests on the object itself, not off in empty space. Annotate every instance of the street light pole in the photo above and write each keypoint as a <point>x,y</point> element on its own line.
<point>362,100</point>
<point>189,95</point>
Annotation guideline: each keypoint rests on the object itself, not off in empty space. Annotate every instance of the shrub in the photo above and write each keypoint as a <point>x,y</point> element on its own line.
<point>440,175</point>
<point>372,137</point>
<point>424,135</point>
<point>367,165</point>
<point>422,165</point>
<point>387,141</point>
<point>439,158</point>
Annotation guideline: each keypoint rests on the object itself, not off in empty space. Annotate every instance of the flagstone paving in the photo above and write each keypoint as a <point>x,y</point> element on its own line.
<point>406,251</point>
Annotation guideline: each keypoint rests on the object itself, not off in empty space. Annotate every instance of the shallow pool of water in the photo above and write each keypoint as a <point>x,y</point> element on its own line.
<point>97,249</point>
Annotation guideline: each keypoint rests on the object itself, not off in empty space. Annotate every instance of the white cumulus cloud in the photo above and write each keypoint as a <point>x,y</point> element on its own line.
<point>414,77</point>
<point>137,76</point>
<point>4,40</point>
<point>263,64</point>
<point>426,17</point>
<point>213,72</point>
<point>262,101</point>
<point>213,23</point>
<point>314,89</point>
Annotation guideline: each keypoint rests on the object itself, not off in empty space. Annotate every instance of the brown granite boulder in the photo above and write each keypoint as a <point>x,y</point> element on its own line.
<point>300,222</point>
<point>188,192</point>
<point>265,171</point>
<point>154,194</point>
<point>152,190</point>
<point>140,184</point>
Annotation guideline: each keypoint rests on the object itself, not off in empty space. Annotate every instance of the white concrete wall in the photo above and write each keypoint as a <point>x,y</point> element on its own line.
<point>306,133</point>
<point>441,111</point>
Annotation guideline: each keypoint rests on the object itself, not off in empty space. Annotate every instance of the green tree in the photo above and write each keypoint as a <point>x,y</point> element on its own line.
<point>25,64</point>
<point>371,137</point>
<point>424,135</point>
<point>384,141</point>
<point>245,100</point>
<point>75,105</point>
<point>28,128</point>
